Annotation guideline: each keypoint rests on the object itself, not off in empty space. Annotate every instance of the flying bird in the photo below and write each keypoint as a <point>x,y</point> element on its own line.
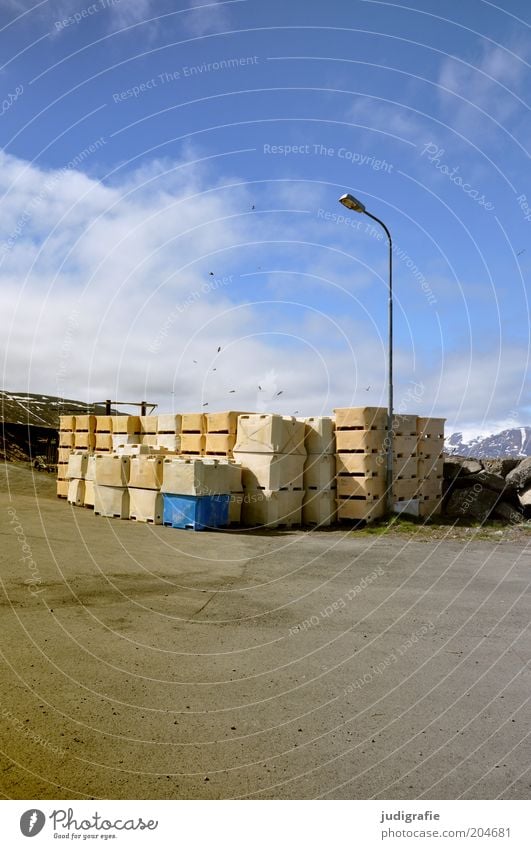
<point>211,273</point>
<point>260,388</point>
<point>280,393</point>
<point>252,207</point>
<point>194,361</point>
<point>219,349</point>
<point>367,388</point>
<point>205,404</point>
<point>231,390</point>
<point>521,252</point>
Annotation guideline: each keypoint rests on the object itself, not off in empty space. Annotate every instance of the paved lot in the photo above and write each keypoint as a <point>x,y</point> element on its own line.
<point>154,663</point>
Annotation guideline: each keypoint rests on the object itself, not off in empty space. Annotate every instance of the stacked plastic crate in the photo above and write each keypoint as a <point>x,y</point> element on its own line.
<point>76,473</point>
<point>196,492</point>
<point>221,433</point>
<point>148,430</point>
<point>103,436</point>
<point>193,435</point>
<point>125,431</point>
<point>145,481</point>
<point>271,451</point>
<point>67,426</point>
<point>111,478</point>
<point>169,427</point>
<point>85,433</point>
<point>319,478</point>
<point>361,477</point>
<point>430,445</point>
<point>405,462</point>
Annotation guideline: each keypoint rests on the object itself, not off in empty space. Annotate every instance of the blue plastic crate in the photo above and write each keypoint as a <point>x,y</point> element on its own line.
<point>199,512</point>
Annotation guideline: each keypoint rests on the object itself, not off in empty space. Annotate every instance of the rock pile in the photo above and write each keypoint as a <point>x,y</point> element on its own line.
<point>487,489</point>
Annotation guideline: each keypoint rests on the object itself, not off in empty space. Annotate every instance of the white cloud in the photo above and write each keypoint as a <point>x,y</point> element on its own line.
<point>206,16</point>
<point>490,81</point>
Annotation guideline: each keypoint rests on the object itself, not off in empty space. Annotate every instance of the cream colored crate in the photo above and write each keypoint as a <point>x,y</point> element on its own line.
<point>266,508</point>
<point>405,490</point>
<point>62,469</point>
<point>235,507</point>
<point>66,439</point>
<point>119,440</point>
<point>193,423</point>
<point>320,435</point>
<point>145,472</point>
<point>201,476</point>
<point>77,464</point>
<point>430,468</point>
<point>223,422</point>
<point>86,422</point>
<point>359,463</point>
<point>149,424</point>
<point>62,488</point>
<point>271,471</point>
<point>234,475</point>
<point>76,492</point>
<point>361,487</point>
<point>430,488</point>
<point>90,472</point>
<point>67,422</point>
<point>360,510</point>
<point>319,507</point>
<point>405,446</point>
<point>111,470</point>
<point>63,454</point>
<point>103,424</point>
<point>169,423</point>
<point>220,443</point>
<point>364,418</point>
<point>430,508</point>
<point>89,494</point>
<point>404,425</point>
<point>363,441</point>
<point>270,434</point>
<point>145,505</point>
<point>126,424</point>
<point>430,428</point>
<point>85,439</point>
<point>319,471</point>
<point>103,441</point>
<point>170,442</point>
<point>430,449</point>
<point>111,501</point>
<point>405,467</point>
<point>193,443</point>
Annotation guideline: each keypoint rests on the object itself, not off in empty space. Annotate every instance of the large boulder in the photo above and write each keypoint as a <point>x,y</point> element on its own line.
<point>520,477</point>
<point>455,467</point>
<point>475,503</point>
<point>501,465</point>
<point>482,479</point>
<point>507,512</point>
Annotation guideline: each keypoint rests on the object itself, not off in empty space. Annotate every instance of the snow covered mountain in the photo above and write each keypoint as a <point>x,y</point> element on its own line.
<point>514,442</point>
<point>40,410</point>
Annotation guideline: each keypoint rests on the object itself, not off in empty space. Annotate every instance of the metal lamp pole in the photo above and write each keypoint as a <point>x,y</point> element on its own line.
<point>352,203</point>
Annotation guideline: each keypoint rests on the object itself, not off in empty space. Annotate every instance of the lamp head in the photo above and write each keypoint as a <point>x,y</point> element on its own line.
<point>352,203</point>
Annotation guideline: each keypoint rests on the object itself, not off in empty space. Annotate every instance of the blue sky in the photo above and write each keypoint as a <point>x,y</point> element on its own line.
<point>170,180</point>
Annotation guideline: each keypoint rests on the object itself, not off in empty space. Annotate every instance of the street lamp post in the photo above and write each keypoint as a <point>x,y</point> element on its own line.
<point>356,206</point>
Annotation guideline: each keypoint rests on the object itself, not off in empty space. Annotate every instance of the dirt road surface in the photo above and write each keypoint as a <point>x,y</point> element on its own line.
<point>144,662</point>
